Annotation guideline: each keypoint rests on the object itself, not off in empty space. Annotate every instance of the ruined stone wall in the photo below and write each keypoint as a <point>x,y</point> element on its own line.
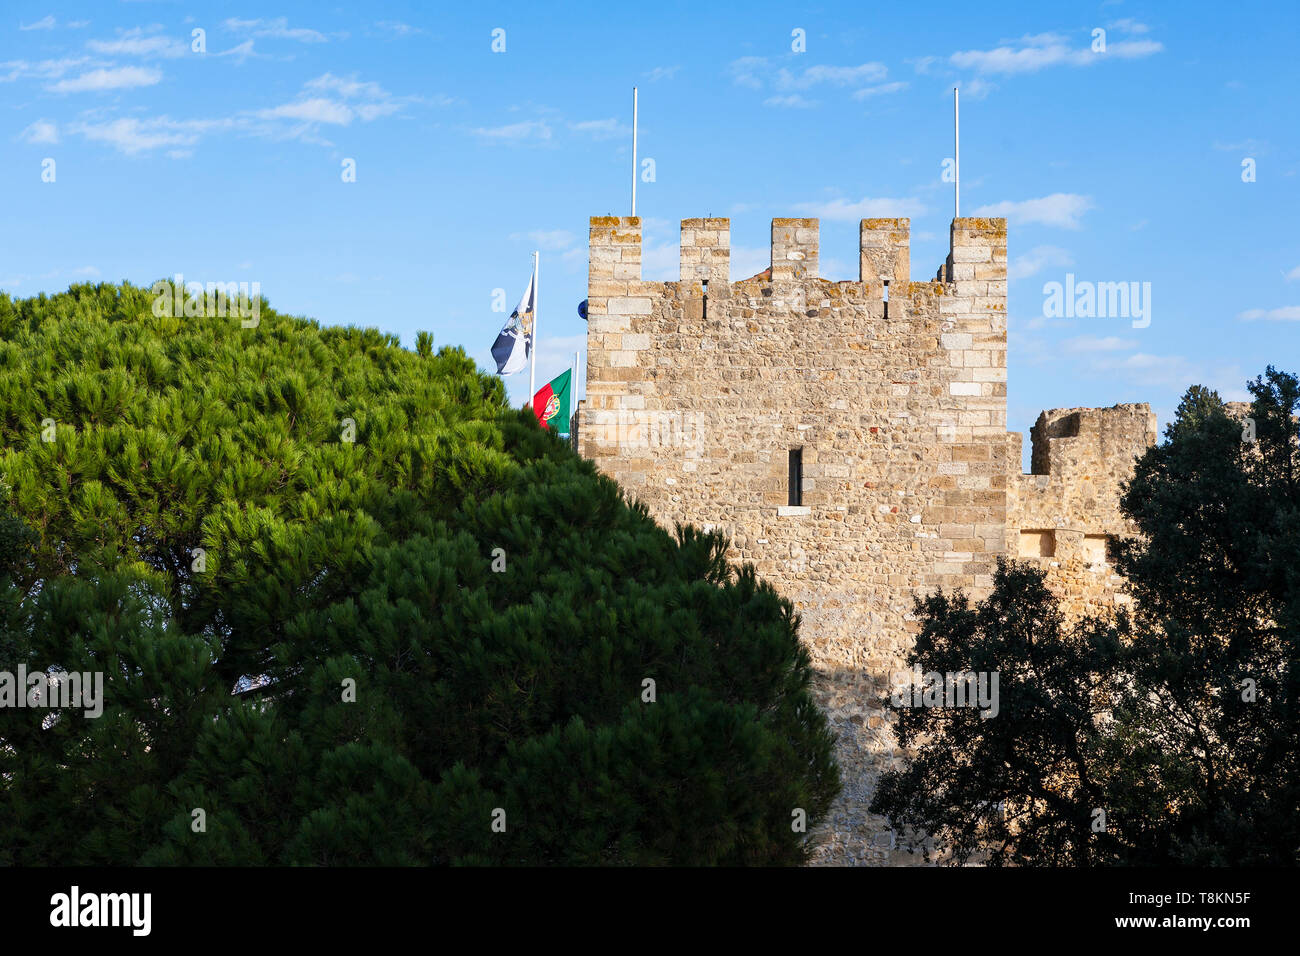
<point>1063,515</point>
<point>895,391</point>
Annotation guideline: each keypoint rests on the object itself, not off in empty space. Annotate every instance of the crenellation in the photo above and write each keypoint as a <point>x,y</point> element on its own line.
<point>706,250</point>
<point>885,252</point>
<point>897,400</point>
<point>794,249</point>
<point>1065,512</point>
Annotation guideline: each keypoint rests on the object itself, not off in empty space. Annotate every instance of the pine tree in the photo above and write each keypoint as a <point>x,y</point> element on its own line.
<point>473,648</point>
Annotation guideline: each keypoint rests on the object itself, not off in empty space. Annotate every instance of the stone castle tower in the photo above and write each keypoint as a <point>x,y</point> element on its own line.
<point>850,439</point>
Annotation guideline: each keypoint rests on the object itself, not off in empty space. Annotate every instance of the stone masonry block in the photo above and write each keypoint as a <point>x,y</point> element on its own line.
<point>794,249</point>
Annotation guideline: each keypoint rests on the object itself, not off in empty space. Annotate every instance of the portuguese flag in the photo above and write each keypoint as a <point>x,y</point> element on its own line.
<point>551,403</point>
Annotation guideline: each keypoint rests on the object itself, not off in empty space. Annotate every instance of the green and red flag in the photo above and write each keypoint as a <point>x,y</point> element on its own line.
<point>551,403</point>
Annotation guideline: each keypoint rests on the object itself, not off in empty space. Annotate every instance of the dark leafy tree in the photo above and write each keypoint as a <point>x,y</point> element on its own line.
<point>1019,786</point>
<point>1179,723</point>
<point>1216,581</point>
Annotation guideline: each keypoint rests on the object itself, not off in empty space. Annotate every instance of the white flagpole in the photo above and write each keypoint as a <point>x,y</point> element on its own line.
<point>573,385</point>
<point>633,151</point>
<point>532,369</point>
<point>956,160</point>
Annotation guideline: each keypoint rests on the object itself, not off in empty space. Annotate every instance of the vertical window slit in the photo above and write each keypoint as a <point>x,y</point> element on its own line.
<point>796,477</point>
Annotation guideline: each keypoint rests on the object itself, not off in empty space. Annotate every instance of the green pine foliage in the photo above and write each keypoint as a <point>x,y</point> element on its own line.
<point>458,615</point>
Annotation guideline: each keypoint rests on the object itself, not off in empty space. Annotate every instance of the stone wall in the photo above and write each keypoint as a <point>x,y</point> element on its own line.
<point>1064,514</point>
<point>895,391</point>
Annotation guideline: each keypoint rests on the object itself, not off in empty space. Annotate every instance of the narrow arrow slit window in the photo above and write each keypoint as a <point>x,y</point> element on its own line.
<point>796,477</point>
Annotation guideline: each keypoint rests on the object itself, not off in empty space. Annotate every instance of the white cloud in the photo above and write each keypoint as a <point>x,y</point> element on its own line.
<point>1007,60</point>
<point>793,101</point>
<point>398,28</point>
<point>833,75</point>
<point>1033,53</point>
<point>316,110</point>
<point>1112,356</point>
<point>118,78</point>
<point>133,136</point>
<point>745,71</point>
<point>1143,368</point>
<point>349,87</point>
<point>1058,209</point>
<point>42,131</point>
<point>1287,313</point>
<point>366,101</point>
<point>1039,39</point>
<point>845,210</point>
<point>1037,259</point>
<point>975,89</point>
<point>1128,25</point>
<point>373,111</point>
<point>240,52</point>
<point>514,132</point>
<point>12,70</point>
<point>880,90</point>
<point>140,42</point>
<point>48,22</point>
<point>601,129</point>
<point>278,28</point>
<point>662,73</point>
<point>352,100</point>
<point>756,72</point>
<point>1293,275</point>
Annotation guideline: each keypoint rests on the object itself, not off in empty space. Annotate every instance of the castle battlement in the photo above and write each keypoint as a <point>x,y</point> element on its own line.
<point>1064,515</point>
<point>850,439</point>
<point>1070,442</point>
<point>976,263</point>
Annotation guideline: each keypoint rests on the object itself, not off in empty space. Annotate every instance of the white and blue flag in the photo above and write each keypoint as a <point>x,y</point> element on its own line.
<point>515,343</point>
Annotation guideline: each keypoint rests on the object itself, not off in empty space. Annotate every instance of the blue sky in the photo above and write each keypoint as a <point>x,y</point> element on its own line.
<point>226,165</point>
